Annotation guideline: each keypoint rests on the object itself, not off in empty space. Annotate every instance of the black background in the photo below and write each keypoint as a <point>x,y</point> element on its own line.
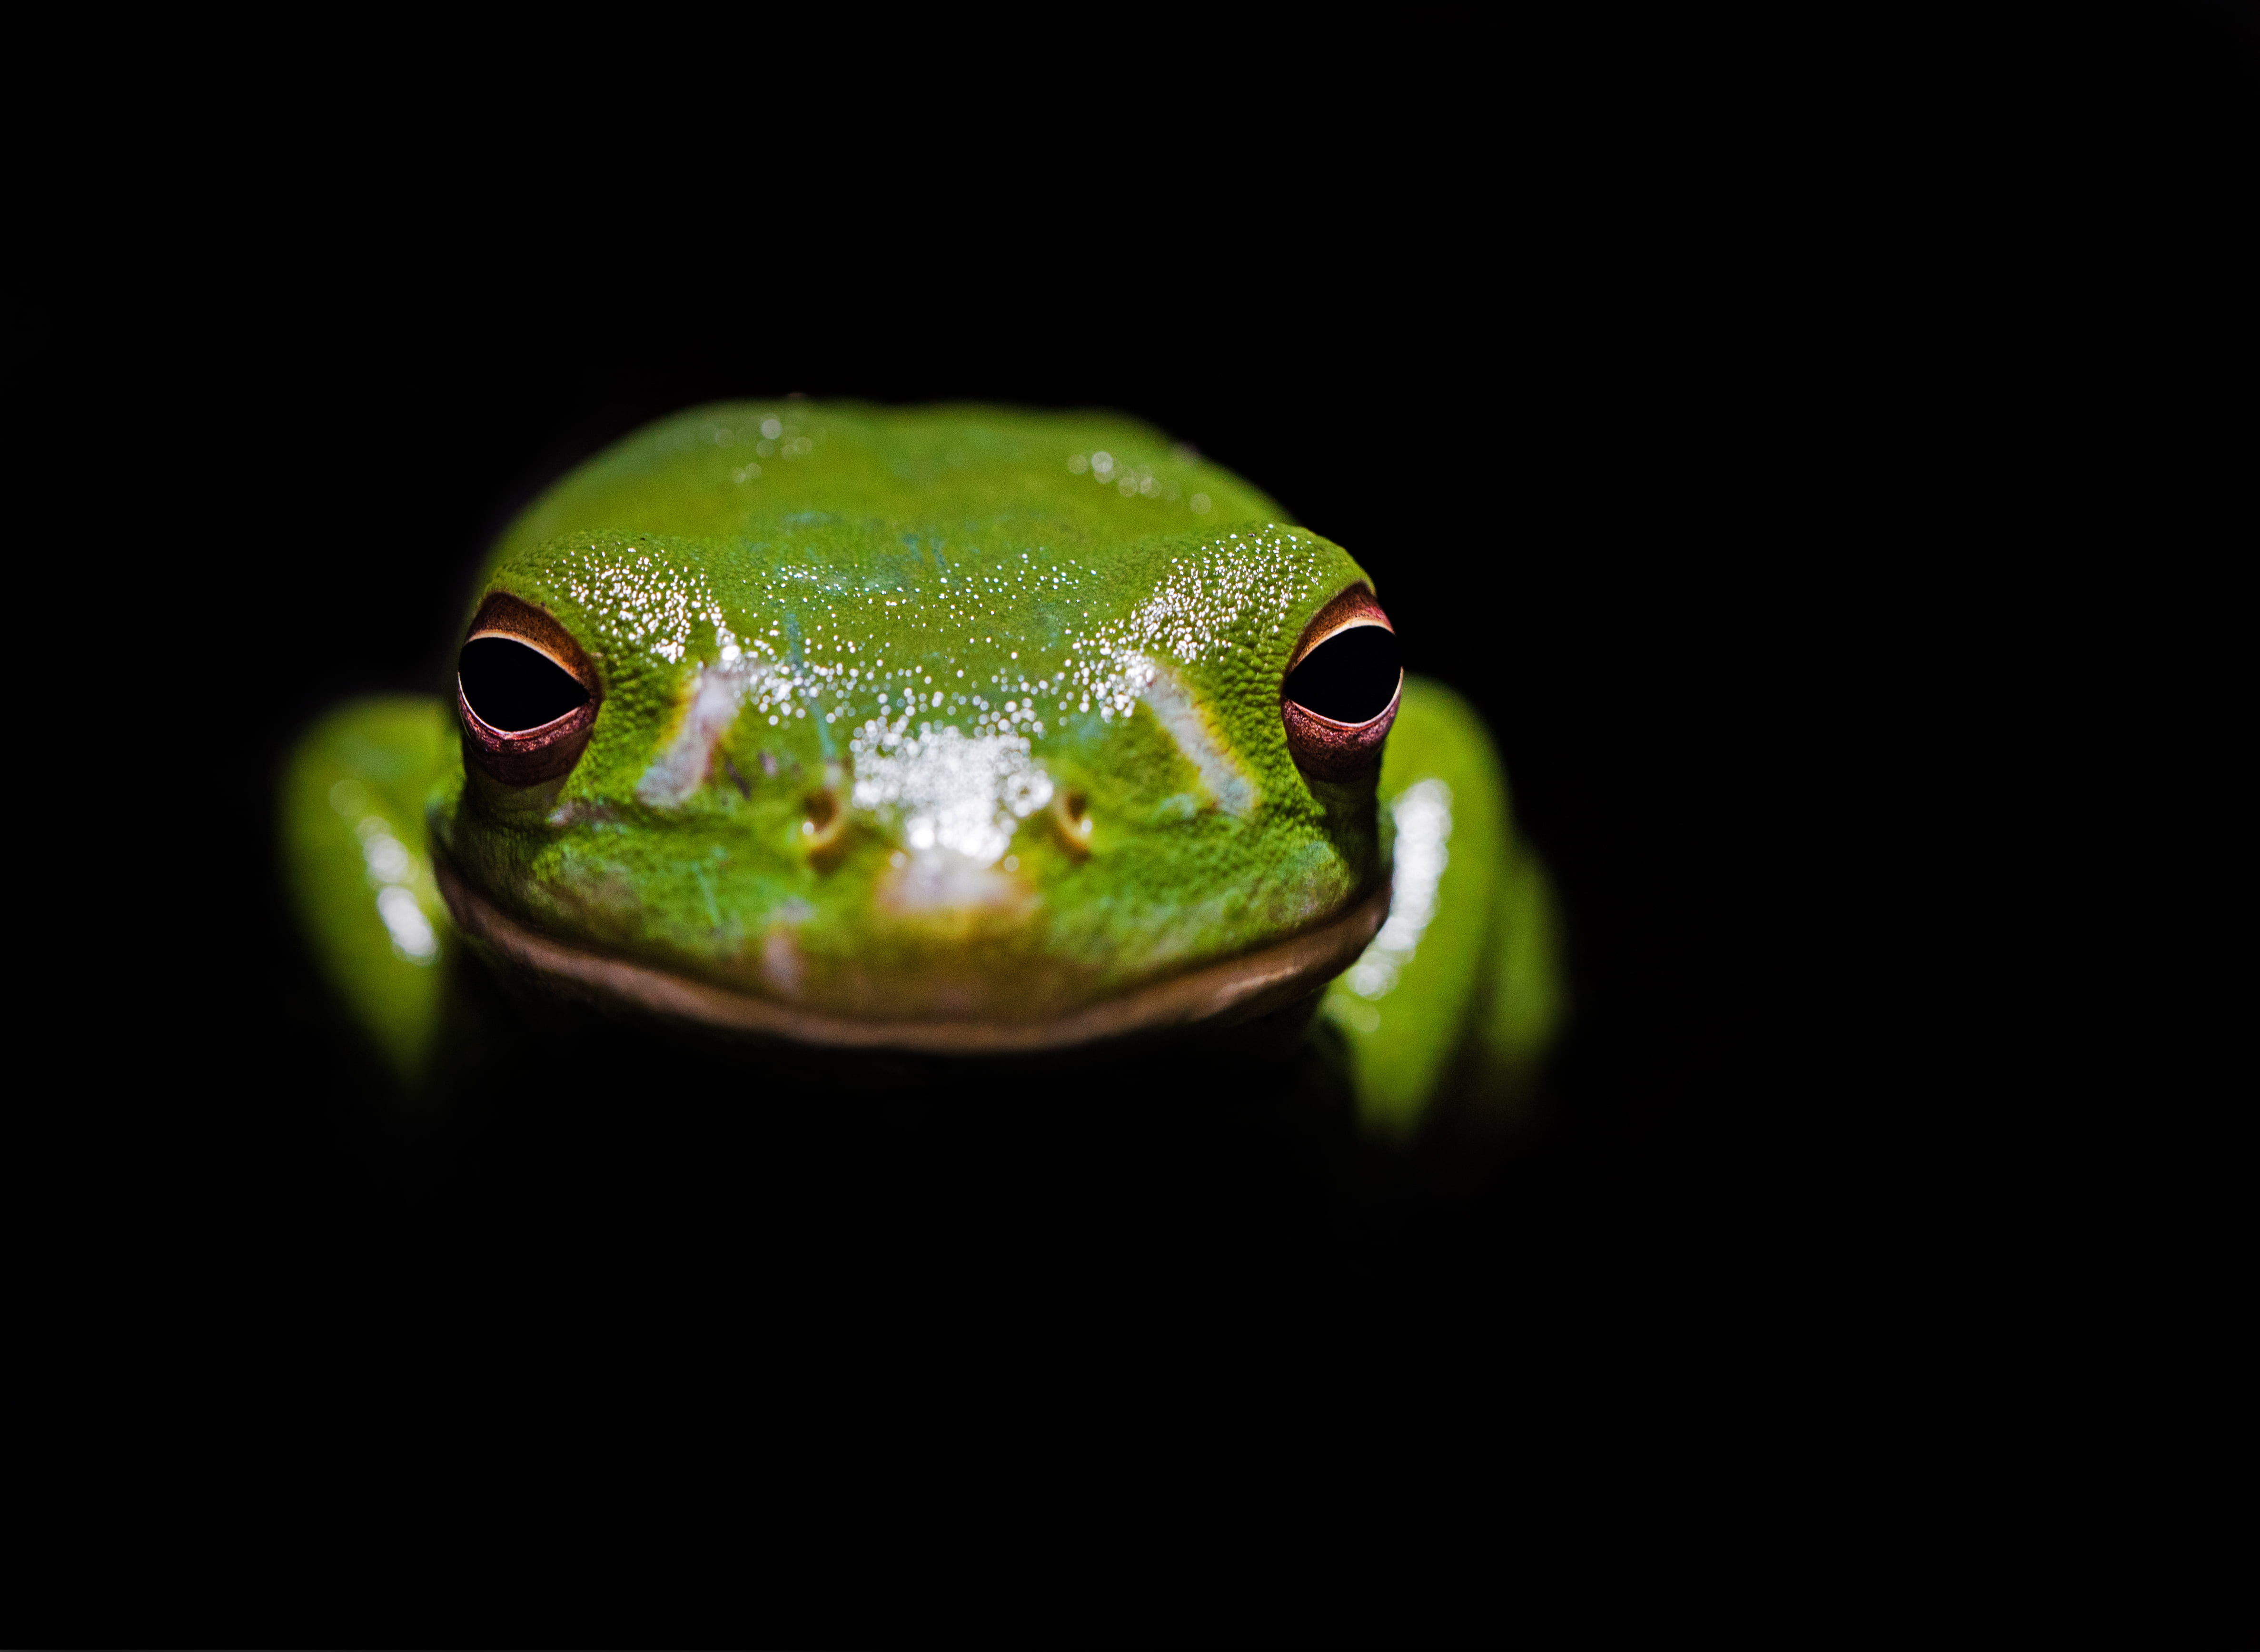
<point>1818,439</point>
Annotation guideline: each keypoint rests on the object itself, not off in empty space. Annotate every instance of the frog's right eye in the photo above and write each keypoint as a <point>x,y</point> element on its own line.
<point>524,694</point>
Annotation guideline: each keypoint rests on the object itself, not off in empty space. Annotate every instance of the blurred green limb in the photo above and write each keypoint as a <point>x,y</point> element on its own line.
<point>1459,996</point>
<point>359,870</point>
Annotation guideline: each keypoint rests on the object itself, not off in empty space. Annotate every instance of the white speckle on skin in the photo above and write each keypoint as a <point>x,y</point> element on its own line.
<point>1230,786</point>
<point>680,768</point>
<point>948,790</point>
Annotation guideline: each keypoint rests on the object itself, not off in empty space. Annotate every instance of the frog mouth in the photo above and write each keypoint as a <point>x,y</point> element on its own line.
<point>1212,996</point>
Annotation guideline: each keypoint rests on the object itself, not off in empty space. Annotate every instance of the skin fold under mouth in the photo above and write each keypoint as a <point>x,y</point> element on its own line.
<point>1214,995</point>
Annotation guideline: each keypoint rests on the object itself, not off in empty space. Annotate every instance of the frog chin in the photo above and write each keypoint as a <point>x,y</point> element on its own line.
<point>942,1011</point>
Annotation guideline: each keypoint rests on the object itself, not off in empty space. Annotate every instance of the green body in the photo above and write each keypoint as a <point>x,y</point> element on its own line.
<point>915,715</point>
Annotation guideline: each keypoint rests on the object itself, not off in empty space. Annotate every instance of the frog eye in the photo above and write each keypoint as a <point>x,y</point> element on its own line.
<point>1343,683</point>
<point>524,693</point>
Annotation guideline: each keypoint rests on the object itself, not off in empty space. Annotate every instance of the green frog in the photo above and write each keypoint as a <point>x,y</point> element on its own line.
<point>953,735</point>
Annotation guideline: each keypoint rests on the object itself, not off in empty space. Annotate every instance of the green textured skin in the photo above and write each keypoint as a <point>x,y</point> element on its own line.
<point>853,552</point>
<point>949,551</point>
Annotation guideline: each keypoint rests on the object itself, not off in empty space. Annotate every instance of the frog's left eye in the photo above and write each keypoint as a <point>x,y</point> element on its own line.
<point>524,694</point>
<point>1343,684</point>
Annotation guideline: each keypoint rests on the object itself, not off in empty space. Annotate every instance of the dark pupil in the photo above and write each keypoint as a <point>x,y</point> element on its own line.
<point>512,686</point>
<point>1350,677</point>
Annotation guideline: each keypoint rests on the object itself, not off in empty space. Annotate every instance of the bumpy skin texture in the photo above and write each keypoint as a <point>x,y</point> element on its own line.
<point>964,712</point>
<point>920,714</point>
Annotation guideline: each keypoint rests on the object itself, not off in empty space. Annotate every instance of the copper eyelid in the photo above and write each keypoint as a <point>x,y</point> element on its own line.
<point>523,736</point>
<point>502,614</point>
<point>1353,606</point>
<point>567,667</point>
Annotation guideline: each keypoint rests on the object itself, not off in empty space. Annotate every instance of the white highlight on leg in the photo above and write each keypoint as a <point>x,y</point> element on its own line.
<point>1423,812</point>
<point>396,870</point>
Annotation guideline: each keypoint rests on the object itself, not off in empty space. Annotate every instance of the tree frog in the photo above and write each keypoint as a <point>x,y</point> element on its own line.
<point>963,733</point>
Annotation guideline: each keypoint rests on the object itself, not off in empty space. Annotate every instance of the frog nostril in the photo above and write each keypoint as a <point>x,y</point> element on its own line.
<point>1071,820</point>
<point>824,828</point>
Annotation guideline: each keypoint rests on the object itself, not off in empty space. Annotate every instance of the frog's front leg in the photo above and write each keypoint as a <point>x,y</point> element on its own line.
<point>1458,997</point>
<point>356,862</point>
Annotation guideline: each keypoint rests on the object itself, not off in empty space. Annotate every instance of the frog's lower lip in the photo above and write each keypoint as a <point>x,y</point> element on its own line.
<point>1214,995</point>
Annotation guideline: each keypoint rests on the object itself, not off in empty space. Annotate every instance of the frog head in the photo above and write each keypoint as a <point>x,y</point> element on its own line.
<point>957,762</point>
